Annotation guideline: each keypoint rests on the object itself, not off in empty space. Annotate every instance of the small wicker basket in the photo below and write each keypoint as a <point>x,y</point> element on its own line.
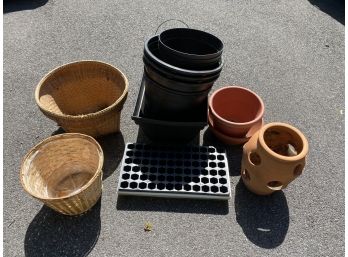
<point>84,97</point>
<point>64,172</point>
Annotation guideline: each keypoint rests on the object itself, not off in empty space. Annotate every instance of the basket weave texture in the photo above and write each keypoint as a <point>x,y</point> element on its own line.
<point>64,172</point>
<point>84,97</point>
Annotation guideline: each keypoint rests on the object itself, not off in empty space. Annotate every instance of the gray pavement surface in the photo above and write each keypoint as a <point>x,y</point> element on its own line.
<point>290,52</point>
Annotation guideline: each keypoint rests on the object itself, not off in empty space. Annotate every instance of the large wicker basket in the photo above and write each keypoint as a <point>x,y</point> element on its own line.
<point>64,172</point>
<point>84,97</point>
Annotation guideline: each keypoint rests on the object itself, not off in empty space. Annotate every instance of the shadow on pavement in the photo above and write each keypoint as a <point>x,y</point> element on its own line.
<point>234,152</point>
<point>135,203</point>
<point>113,148</point>
<point>53,234</point>
<point>264,219</point>
<point>334,8</point>
<point>20,5</point>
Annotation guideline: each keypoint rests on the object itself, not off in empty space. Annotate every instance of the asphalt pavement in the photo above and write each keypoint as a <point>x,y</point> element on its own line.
<point>290,52</point>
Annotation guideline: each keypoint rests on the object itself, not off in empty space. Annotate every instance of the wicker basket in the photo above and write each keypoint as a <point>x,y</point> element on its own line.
<point>84,97</point>
<point>64,172</point>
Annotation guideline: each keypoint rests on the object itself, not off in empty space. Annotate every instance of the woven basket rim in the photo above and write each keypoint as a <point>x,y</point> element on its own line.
<point>58,137</point>
<point>81,116</point>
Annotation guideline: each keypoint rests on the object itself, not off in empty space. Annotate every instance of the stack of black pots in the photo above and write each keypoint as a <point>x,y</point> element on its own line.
<point>180,68</point>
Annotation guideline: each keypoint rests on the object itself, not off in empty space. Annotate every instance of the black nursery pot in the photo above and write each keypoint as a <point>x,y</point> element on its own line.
<point>168,131</point>
<point>153,58</point>
<point>164,103</point>
<point>190,48</point>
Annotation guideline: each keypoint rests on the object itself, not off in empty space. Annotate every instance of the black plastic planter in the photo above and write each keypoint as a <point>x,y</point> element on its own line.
<point>152,56</point>
<point>167,104</point>
<point>190,48</point>
<point>165,131</point>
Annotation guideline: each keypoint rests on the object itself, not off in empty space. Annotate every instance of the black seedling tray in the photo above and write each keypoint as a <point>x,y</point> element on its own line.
<point>166,131</point>
<point>178,172</point>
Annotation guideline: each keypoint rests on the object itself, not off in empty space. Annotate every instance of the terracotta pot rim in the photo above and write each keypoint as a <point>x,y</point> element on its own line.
<point>299,156</point>
<point>230,140</point>
<point>231,123</point>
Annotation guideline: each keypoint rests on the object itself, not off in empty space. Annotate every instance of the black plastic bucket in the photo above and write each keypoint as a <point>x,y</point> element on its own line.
<point>151,54</point>
<point>169,131</point>
<point>163,103</point>
<point>190,48</point>
<point>174,82</point>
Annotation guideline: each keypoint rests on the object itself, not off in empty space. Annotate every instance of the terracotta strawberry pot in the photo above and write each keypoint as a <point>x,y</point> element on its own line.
<point>235,110</point>
<point>273,157</point>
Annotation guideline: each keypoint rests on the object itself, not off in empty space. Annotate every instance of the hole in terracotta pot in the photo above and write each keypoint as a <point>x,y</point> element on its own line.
<point>283,140</point>
<point>131,146</point>
<point>212,157</point>
<point>161,178</point>
<point>275,185</point>
<point>152,177</point>
<point>128,160</point>
<point>145,161</point>
<point>127,168</point>
<point>254,158</point>
<point>211,150</point>
<point>298,170</point>
<point>245,174</point>
<point>137,161</point>
<point>153,170</point>
<point>137,154</point>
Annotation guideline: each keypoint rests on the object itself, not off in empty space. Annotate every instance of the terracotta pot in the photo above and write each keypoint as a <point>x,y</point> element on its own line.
<point>273,157</point>
<point>233,140</point>
<point>234,110</point>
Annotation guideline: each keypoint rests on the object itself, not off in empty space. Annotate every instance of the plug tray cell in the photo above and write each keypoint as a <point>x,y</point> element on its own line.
<point>174,171</point>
